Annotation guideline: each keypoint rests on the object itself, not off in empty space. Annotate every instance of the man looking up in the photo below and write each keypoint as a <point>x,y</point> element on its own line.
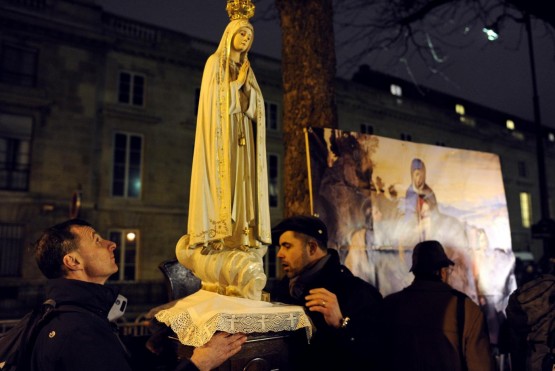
<point>343,308</point>
<point>77,262</point>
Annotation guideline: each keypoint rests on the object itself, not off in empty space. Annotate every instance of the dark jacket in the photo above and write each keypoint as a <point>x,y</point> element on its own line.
<point>83,340</point>
<point>421,331</point>
<point>357,346</point>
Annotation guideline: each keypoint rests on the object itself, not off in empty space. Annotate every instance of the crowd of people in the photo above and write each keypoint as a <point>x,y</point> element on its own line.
<point>426,326</point>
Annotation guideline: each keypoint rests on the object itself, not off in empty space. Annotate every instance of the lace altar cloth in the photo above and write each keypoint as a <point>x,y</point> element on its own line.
<point>197,317</point>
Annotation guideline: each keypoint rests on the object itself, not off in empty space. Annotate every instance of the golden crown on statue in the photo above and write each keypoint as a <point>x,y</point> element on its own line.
<point>239,9</point>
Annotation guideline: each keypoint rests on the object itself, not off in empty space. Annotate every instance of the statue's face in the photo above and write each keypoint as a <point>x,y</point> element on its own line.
<point>242,40</point>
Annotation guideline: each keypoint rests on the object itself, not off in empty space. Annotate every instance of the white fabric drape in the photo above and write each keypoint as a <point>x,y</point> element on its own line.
<point>197,317</point>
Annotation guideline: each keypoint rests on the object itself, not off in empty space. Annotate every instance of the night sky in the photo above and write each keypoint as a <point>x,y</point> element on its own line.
<point>493,74</point>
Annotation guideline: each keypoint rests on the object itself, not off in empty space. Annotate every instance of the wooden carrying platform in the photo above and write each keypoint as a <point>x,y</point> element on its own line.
<point>261,352</point>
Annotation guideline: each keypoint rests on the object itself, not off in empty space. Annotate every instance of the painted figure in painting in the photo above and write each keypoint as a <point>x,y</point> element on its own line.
<point>420,198</point>
<point>229,219</point>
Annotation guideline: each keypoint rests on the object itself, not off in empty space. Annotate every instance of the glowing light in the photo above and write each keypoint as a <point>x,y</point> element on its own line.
<point>131,236</point>
<point>510,124</point>
<point>490,33</point>
<point>526,209</point>
<point>459,108</point>
<point>396,90</point>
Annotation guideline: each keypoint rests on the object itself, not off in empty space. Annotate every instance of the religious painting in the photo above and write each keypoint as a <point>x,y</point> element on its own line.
<point>379,197</point>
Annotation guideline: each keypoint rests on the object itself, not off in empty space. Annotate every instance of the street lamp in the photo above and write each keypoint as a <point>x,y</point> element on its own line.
<point>545,228</point>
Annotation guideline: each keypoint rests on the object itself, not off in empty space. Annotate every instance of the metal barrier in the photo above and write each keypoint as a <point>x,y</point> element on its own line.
<point>7,324</point>
<point>139,327</point>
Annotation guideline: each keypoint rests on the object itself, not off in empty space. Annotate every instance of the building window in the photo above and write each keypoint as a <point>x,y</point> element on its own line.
<point>439,143</point>
<point>526,209</point>
<point>272,117</point>
<point>459,108</point>
<point>366,129</point>
<point>131,89</point>
<point>270,266</point>
<point>396,90</point>
<point>406,137</point>
<point>518,135</point>
<point>18,66</point>
<point>273,179</point>
<point>127,166</point>
<point>11,249</point>
<point>522,170</point>
<point>126,253</point>
<point>510,124</point>
<point>468,121</point>
<point>15,149</point>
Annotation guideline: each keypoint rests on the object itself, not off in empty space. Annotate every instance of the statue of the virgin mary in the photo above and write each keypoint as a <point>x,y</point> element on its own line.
<point>229,220</point>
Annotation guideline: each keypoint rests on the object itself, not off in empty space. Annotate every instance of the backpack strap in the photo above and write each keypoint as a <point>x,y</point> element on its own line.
<point>49,309</point>
<point>69,306</point>
<point>44,313</point>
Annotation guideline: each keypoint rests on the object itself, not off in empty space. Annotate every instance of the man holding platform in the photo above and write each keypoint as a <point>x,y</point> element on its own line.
<point>77,262</point>
<point>344,309</point>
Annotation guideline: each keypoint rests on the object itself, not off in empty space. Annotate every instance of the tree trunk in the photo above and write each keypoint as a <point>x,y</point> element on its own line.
<point>308,67</point>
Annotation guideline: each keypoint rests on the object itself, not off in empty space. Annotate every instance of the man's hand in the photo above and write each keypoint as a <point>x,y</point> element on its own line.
<point>325,302</point>
<point>221,347</point>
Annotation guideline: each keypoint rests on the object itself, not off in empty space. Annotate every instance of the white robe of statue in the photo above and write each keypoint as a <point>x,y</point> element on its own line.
<point>229,219</point>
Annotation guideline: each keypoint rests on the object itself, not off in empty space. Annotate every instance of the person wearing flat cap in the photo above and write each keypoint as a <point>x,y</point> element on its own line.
<point>345,310</point>
<point>431,326</point>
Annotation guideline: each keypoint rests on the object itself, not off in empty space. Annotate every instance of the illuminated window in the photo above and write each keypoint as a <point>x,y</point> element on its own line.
<point>468,121</point>
<point>127,165</point>
<point>518,135</point>
<point>459,108</point>
<point>510,124</point>
<point>396,90</point>
<point>526,209</point>
<point>126,253</point>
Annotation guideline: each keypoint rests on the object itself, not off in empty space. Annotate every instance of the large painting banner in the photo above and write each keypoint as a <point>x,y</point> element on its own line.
<point>379,197</point>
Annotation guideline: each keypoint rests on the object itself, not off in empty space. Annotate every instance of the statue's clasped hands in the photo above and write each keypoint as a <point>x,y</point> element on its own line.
<point>242,78</point>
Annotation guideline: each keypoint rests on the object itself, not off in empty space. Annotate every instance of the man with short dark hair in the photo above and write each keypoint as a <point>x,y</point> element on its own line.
<point>78,261</point>
<point>431,326</point>
<point>343,308</point>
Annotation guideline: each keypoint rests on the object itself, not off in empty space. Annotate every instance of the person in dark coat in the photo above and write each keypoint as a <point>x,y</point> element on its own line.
<point>344,310</point>
<point>78,261</point>
<point>431,326</point>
